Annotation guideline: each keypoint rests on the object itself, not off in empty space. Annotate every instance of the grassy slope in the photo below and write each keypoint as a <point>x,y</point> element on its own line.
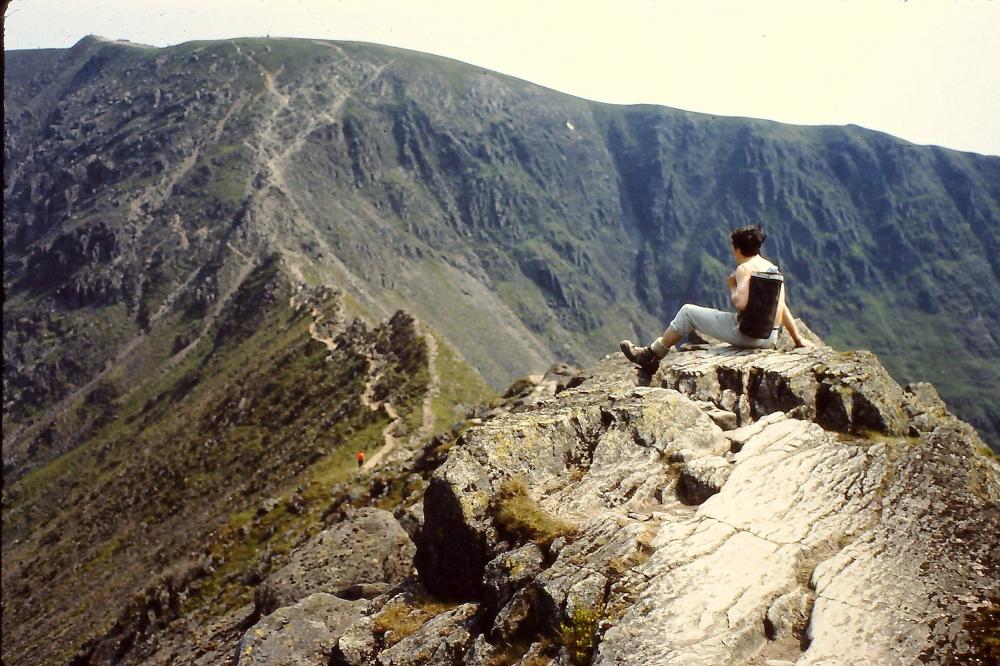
<point>176,473</point>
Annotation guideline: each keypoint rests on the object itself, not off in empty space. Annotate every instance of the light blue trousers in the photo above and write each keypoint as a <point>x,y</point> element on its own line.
<point>719,325</point>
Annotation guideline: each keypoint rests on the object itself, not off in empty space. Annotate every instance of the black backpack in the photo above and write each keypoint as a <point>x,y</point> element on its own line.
<point>757,319</point>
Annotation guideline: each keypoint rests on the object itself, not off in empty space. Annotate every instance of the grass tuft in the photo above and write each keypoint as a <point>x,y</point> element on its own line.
<point>519,516</point>
<point>578,635</point>
<point>399,619</point>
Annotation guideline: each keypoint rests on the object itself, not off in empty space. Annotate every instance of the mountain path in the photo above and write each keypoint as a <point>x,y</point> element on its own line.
<point>314,333</point>
<point>433,387</point>
<point>274,151</point>
<point>271,151</point>
<point>154,196</point>
<point>248,265</point>
<point>389,437</point>
<point>388,432</point>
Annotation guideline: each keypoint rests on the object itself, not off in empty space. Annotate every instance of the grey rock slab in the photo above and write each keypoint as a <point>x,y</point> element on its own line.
<point>924,570</point>
<point>701,478</point>
<point>788,615</point>
<point>569,453</point>
<point>508,572</point>
<point>814,485</point>
<point>518,617</point>
<point>803,539</point>
<point>368,550</point>
<point>606,551</point>
<point>358,644</point>
<point>713,577</point>
<point>845,391</point>
<point>535,656</point>
<point>303,633</point>
<point>802,509</point>
<point>482,653</point>
<point>444,639</point>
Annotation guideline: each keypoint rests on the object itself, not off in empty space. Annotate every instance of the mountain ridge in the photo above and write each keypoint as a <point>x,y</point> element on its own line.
<point>706,114</point>
<point>183,225</point>
<point>547,296</point>
<point>616,524</point>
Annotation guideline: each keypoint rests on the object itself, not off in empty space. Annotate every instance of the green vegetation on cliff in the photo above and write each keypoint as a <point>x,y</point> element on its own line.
<point>165,492</point>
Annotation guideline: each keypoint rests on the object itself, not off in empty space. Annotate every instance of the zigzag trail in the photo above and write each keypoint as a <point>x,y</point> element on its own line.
<point>427,425</point>
<point>389,433</point>
<point>274,152</point>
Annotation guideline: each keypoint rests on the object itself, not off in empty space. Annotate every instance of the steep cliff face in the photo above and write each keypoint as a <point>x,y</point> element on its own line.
<point>139,179</point>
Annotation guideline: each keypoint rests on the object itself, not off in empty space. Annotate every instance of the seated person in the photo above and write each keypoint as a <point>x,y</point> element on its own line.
<point>717,324</point>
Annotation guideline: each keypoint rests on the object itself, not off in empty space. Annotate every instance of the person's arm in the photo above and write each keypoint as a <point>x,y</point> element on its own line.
<point>739,287</point>
<point>788,321</point>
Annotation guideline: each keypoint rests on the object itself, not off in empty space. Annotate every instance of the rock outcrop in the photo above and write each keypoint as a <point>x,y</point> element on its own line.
<point>361,557</point>
<point>842,391</point>
<point>845,519</point>
<point>298,635</point>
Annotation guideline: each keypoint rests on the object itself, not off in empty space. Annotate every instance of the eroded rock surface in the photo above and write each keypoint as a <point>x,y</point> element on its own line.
<point>602,449</point>
<point>844,391</point>
<point>443,639</point>
<point>362,556</point>
<point>301,634</point>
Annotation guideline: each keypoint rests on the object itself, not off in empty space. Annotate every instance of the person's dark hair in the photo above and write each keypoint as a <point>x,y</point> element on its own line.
<point>748,239</point>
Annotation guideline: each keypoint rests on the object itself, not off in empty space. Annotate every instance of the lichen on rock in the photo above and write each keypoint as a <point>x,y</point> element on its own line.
<point>298,635</point>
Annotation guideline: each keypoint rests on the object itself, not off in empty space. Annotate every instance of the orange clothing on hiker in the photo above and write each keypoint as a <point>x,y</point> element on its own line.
<point>361,456</point>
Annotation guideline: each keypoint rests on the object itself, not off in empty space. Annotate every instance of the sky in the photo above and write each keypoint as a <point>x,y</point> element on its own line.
<point>927,71</point>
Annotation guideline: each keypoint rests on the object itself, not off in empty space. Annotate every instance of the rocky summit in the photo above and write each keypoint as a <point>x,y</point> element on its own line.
<point>722,513</point>
<point>732,512</point>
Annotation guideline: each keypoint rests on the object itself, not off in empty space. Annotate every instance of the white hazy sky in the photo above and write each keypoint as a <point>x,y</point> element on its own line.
<point>924,70</point>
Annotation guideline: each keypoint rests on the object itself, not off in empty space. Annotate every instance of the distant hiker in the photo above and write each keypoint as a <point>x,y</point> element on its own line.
<point>361,459</point>
<point>757,291</point>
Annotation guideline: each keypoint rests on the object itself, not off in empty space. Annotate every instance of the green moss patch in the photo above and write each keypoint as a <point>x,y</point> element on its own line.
<point>518,515</point>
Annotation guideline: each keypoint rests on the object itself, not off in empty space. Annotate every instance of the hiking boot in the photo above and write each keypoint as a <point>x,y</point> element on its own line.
<point>644,357</point>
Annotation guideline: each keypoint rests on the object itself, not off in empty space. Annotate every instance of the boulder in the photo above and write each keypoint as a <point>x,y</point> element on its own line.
<point>408,630</point>
<point>482,653</point>
<point>364,555</point>
<point>444,639</point>
<point>600,447</point>
<point>358,645</point>
<point>702,478</point>
<point>301,634</point>
<point>843,391</point>
<point>509,571</point>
